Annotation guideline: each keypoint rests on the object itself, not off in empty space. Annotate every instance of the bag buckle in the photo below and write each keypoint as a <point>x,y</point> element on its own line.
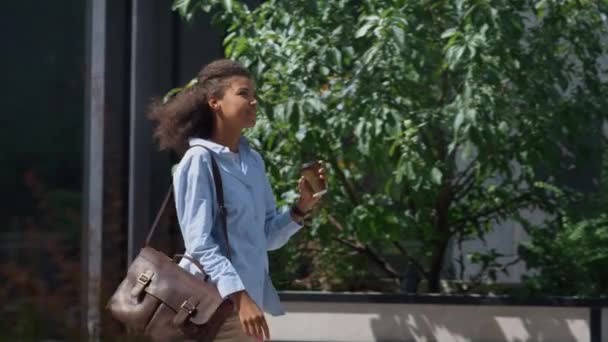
<point>143,279</point>
<point>188,307</point>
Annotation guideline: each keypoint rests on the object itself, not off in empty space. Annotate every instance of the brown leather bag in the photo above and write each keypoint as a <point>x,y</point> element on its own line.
<point>160,300</point>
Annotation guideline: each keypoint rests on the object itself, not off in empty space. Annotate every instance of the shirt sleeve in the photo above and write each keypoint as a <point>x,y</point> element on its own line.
<point>194,196</point>
<point>279,226</point>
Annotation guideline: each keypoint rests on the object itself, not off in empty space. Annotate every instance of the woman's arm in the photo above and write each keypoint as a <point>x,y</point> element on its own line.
<point>194,202</point>
<point>280,226</point>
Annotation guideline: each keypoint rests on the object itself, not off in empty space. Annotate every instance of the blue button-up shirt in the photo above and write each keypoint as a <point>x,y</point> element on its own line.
<point>255,226</point>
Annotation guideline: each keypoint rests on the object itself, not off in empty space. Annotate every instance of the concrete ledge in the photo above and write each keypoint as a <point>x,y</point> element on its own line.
<point>393,298</point>
<point>317,316</point>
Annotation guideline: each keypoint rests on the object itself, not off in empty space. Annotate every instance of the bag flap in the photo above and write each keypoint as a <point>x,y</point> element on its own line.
<point>173,285</point>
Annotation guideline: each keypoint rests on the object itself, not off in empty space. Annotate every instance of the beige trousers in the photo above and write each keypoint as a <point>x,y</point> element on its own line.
<point>232,331</point>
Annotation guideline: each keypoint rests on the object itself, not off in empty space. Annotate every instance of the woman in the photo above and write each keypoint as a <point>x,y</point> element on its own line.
<point>212,113</point>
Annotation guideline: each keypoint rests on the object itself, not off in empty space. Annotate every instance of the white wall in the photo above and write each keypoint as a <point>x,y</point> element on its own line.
<point>505,238</point>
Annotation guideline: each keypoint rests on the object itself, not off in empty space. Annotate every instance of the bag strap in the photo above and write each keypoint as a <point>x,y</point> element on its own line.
<point>219,192</point>
<point>159,214</point>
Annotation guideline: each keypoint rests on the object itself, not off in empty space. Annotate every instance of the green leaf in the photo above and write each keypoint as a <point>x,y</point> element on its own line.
<point>436,176</point>
<point>458,53</point>
<point>399,34</point>
<point>370,54</point>
<point>289,109</point>
<point>540,8</point>
<point>315,104</point>
<point>279,111</point>
<point>458,121</point>
<point>468,150</point>
<point>359,129</point>
<point>181,6</point>
<point>449,32</point>
<point>301,134</point>
<point>227,5</point>
<point>453,55</point>
<point>503,127</point>
<point>362,31</point>
<point>241,44</point>
<point>337,57</point>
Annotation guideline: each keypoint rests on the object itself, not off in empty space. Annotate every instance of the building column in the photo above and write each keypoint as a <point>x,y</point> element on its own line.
<point>103,237</point>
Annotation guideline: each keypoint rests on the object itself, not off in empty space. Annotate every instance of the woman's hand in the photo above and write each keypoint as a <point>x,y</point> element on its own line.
<point>306,201</point>
<point>251,317</point>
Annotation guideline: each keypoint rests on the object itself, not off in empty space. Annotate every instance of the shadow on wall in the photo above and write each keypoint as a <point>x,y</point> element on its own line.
<point>480,323</point>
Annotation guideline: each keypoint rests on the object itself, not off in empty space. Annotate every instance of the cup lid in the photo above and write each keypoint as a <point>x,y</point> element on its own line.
<point>309,164</point>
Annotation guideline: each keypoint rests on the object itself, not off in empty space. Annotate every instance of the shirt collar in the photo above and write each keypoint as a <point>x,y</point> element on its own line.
<point>217,148</point>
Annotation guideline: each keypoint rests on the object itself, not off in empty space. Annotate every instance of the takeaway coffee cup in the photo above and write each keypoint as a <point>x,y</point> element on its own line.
<point>310,171</point>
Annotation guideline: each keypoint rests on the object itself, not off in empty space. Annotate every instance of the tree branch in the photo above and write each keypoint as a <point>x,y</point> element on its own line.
<point>511,263</point>
<point>335,222</point>
<point>370,253</point>
<point>521,200</point>
<point>410,258</point>
<point>410,202</point>
<point>465,173</point>
<point>364,249</point>
<point>349,188</point>
<point>465,188</point>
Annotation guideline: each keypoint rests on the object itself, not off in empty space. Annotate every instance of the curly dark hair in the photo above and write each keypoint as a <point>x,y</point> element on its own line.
<point>187,114</point>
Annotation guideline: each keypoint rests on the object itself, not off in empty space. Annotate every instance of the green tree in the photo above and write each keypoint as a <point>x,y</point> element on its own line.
<point>567,255</point>
<point>568,258</point>
<point>434,116</point>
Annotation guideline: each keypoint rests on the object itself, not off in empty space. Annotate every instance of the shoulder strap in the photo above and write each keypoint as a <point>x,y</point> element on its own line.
<point>159,214</point>
<point>219,192</point>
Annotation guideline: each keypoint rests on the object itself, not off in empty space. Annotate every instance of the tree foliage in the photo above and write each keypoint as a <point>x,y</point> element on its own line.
<point>435,116</point>
<point>569,255</point>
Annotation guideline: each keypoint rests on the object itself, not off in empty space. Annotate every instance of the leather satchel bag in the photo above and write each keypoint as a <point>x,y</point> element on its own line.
<point>163,302</point>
